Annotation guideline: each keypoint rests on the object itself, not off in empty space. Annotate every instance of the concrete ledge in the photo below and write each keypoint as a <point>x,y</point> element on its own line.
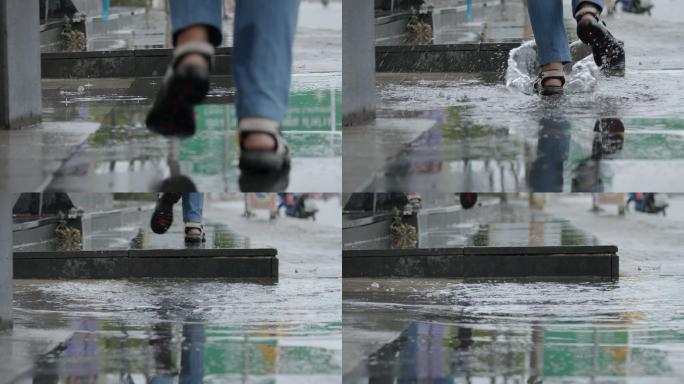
<point>125,63</point>
<point>471,57</point>
<point>484,262</point>
<point>184,263</point>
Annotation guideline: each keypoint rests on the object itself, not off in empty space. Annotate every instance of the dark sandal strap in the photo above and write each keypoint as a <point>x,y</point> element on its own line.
<point>588,11</point>
<point>552,74</point>
<point>193,47</point>
<point>189,226</point>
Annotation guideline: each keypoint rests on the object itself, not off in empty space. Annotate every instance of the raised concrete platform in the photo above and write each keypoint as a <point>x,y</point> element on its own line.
<point>136,263</point>
<point>122,64</point>
<point>469,57</point>
<point>484,262</point>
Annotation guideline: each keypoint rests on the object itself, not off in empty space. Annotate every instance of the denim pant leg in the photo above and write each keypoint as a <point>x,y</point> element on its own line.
<point>576,3</point>
<point>262,56</point>
<point>193,202</point>
<point>546,17</point>
<point>186,13</point>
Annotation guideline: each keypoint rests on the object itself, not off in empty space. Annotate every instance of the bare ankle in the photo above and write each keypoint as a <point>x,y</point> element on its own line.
<point>193,33</point>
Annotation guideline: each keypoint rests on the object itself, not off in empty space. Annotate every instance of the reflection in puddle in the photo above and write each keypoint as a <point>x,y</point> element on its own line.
<point>191,352</point>
<point>447,331</point>
<point>552,155</point>
<point>179,330</point>
<point>434,352</point>
<point>122,155</point>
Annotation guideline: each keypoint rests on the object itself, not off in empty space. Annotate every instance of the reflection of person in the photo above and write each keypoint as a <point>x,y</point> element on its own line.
<point>193,202</point>
<point>553,49</point>
<point>262,60</point>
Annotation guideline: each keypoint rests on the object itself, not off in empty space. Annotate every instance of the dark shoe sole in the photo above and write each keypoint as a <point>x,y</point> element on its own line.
<point>263,162</point>
<point>550,91</point>
<point>268,182</point>
<point>162,218</point>
<point>609,53</point>
<point>195,239</point>
<point>173,111</point>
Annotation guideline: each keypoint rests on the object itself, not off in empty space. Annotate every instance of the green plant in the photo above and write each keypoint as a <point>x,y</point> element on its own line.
<point>68,237</point>
<point>419,32</point>
<point>72,39</point>
<point>402,235</point>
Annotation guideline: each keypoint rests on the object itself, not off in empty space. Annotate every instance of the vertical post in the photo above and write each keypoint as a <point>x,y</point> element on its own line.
<point>358,61</point>
<point>469,11</point>
<point>20,88</point>
<point>6,202</point>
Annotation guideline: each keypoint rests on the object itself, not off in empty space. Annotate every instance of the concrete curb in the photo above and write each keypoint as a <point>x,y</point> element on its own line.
<point>484,262</point>
<point>125,63</point>
<point>470,57</point>
<point>115,264</point>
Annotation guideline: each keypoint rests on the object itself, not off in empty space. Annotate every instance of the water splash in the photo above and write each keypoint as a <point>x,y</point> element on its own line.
<point>523,70</point>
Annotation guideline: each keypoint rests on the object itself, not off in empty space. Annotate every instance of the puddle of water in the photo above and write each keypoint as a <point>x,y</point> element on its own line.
<point>192,331</point>
<point>122,155</point>
<point>626,331</point>
<point>550,153</point>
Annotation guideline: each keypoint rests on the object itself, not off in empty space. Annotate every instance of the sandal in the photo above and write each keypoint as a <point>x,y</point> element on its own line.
<point>194,237</point>
<point>547,90</point>
<point>609,52</point>
<point>183,87</point>
<point>263,161</point>
<point>162,218</point>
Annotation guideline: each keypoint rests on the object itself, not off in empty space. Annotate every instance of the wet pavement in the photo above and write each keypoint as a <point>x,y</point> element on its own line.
<point>604,134</point>
<point>508,225</point>
<point>93,139</point>
<point>629,330</point>
<point>152,330</point>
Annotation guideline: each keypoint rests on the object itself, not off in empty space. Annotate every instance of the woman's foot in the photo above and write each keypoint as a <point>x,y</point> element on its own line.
<point>194,233</point>
<point>262,146</point>
<point>609,53</point>
<point>162,218</point>
<point>185,85</point>
<point>551,79</point>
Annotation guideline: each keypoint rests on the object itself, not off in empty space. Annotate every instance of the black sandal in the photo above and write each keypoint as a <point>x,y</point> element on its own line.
<point>194,238</point>
<point>609,52</point>
<point>183,87</point>
<point>253,161</point>
<point>548,90</point>
<point>162,218</point>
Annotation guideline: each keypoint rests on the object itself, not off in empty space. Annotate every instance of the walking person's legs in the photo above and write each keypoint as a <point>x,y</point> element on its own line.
<point>196,26</point>
<point>553,49</point>
<point>193,204</point>
<point>264,36</point>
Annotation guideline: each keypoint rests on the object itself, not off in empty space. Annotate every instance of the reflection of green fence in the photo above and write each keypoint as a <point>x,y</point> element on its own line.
<point>264,355</point>
<point>310,111</point>
<point>312,128</point>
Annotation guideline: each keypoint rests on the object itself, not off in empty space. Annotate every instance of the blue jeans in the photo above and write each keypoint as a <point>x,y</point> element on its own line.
<point>546,17</point>
<point>193,202</point>
<point>262,53</point>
